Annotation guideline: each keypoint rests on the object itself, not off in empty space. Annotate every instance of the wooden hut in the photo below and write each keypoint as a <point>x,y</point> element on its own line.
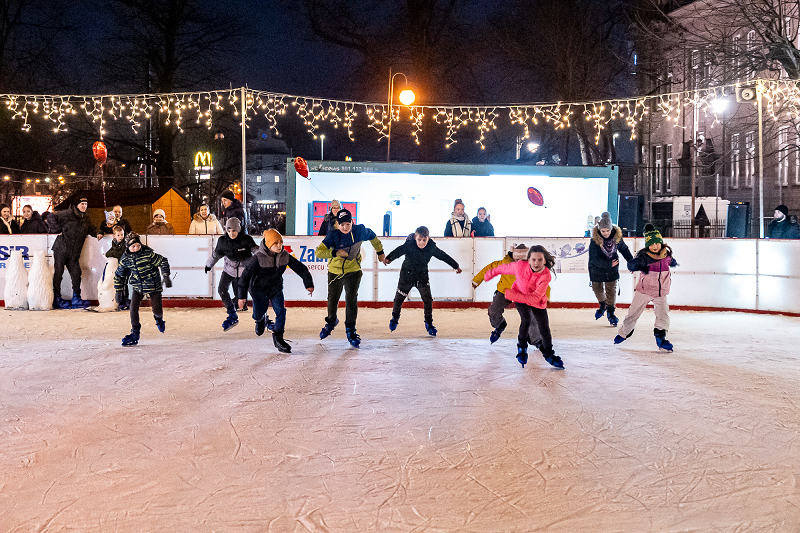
<point>137,206</point>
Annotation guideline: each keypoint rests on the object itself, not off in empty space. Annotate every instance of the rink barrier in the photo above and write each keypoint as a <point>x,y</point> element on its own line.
<point>713,274</point>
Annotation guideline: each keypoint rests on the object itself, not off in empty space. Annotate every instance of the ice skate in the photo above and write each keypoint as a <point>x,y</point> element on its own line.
<point>493,338</point>
<point>160,324</point>
<point>280,342</point>
<point>78,303</point>
<point>522,354</point>
<point>264,323</point>
<point>430,329</point>
<point>131,339</point>
<point>393,324</point>
<point>619,338</point>
<point>612,318</point>
<point>327,329</point>
<point>353,338</point>
<point>553,359</point>
<point>600,311</point>
<point>60,303</point>
<point>661,340</point>
<point>231,321</point>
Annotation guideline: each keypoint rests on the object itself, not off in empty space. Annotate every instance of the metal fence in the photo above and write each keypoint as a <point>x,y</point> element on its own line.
<point>682,229</point>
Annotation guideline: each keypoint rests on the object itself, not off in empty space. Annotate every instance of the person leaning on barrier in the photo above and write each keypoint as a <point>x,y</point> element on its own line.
<point>459,224</point>
<point>782,227</point>
<point>8,226</point>
<point>160,226</point>
<point>32,222</point>
<point>231,207</point>
<point>119,221</point>
<point>205,223</point>
<point>481,227</point>
<point>329,222</point>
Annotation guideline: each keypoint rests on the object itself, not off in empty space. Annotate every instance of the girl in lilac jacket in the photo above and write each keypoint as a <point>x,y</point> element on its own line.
<point>529,294</point>
<point>654,262</point>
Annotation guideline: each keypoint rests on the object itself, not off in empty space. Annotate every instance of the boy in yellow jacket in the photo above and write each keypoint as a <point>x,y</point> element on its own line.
<point>499,302</point>
<point>342,248</point>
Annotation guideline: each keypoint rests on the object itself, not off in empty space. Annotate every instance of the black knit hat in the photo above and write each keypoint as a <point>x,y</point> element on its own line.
<point>783,209</point>
<point>131,239</point>
<point>81,200</point>
<point>229,195</point>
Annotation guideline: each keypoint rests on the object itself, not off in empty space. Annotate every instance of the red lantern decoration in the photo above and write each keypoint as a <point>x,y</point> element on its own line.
<point>535,196</point>
<point>301,166</point>
<point>100,152</point>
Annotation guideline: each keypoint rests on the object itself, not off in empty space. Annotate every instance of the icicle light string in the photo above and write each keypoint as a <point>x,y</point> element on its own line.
<point>201,108</point>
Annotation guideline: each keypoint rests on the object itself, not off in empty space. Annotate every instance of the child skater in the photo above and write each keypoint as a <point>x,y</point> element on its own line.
<point>654,261</point>
<point>116,252</point>
<point>418,249</point>
<point>529,294</point>
<point>263,276</point>
<point>141,264</point>
<point>604,265</point>
<point>500,302</point>
<point>342,248</point>
<point>236,247</point>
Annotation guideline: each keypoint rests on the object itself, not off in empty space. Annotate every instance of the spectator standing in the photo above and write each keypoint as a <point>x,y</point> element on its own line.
<point>231,207</point>
<point>8,226</point>
<point>205,223</point>
<point>160,226</point>
<point>459,224</point>
<point>75,227</point>
<point>32,222</point>
<point>119,221</point>
<point>481,227</point>
<point>329,222</point>
<point>782,227</point>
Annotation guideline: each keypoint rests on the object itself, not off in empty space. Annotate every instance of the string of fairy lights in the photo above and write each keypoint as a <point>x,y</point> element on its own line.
<point>781,97</point>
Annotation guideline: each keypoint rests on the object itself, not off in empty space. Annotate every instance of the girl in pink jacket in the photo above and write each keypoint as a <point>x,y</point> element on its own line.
<point>529,294</point>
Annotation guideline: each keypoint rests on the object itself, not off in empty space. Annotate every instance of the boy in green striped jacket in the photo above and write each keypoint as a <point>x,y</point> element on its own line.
<point>141,264</point>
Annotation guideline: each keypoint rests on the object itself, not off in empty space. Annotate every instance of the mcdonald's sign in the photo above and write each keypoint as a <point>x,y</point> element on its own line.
<point>202,161</point>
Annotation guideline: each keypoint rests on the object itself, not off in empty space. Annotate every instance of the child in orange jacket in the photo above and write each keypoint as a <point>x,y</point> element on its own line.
<point>529,294</point>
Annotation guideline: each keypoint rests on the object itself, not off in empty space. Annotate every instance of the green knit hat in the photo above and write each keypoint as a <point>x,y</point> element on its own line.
<point>651,236</point>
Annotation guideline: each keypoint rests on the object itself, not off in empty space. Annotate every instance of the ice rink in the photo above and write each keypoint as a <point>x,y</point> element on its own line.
<point>197,430</point>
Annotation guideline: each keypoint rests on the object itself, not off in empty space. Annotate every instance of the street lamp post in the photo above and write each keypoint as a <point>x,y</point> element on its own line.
<point>322,147</point>
<point>406,98</point>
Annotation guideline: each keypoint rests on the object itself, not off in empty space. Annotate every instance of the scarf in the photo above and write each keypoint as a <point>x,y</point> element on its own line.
<point>458,231</point>
<point>609,245</point>
<point>8,224</point>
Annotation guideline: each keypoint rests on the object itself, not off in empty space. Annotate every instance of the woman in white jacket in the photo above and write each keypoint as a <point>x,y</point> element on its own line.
<point>204,223</point>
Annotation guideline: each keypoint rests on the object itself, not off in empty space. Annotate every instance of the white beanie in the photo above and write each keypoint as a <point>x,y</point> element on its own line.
<point>160,212</point>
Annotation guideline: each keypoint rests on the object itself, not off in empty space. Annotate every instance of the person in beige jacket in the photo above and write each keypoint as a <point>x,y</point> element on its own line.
<point>205,223</point>
<point>160,226</point>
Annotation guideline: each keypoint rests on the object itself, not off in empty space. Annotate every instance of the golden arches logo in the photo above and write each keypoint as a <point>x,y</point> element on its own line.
<point>203,159</point>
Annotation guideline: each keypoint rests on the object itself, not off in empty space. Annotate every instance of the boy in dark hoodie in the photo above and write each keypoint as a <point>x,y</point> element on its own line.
<point>342,248</point>
<point>263,277</point>
<point>141,265</point>
<point>236,247</point>
<point>419,248</point>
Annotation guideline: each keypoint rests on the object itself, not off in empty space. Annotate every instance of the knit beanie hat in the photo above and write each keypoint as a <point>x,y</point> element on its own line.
<point>651,235</point>
<point>335,204</point>
<point>605,221</point>
<point>272,236</point>
<point>783,209</point>
<point>110,217</point>
<point>83,199</point>
<point>229,195</point>
<point>234,224</point>
<point>160,212</point>
<point>132,238</point>
<point>344,216</point>
<point>519,252</point>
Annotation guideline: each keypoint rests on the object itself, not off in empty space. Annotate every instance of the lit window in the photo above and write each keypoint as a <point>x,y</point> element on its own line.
<point>277,179</point>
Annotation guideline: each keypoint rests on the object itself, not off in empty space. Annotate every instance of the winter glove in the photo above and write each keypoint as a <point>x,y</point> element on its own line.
<point>207,270</point>
<point>633,265</point>
<point>119,297</point>
<point>673,263</point>
<point>167,281</point>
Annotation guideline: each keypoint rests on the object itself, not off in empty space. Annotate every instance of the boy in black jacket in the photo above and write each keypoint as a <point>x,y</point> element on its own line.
<point>236,247</point>
<point>263,276</point>
<point>418,249</point>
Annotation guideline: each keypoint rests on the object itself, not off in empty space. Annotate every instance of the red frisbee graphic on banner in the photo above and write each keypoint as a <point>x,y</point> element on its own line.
<point>301,166</point>
<point>535,196</point>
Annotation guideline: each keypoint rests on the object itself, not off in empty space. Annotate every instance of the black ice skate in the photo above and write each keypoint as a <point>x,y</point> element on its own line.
<point>263,324</point>
<point>353,338</point>
<point>231,321</point>
<point>600,311</point>
<point>327,329</point>
<point>522,354</point>
<point>160,324</point>
<point>131,339</point>
<point>612,318</point>
<point>280,342</point>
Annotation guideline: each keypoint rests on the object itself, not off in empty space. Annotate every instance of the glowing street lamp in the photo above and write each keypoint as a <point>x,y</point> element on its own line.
<point>407,98</point>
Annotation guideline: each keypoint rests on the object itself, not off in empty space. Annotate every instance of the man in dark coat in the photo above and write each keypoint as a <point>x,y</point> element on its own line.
<point>481,227</point>
<point>32,222</point>
<point>782,227</point>
<point>231,207</point>
<point>75,227</point>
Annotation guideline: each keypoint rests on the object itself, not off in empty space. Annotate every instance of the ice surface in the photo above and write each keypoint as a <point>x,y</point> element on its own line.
<point>196,430</point>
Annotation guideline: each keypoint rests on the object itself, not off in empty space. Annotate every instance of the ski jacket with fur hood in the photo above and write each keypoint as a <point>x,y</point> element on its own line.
<point>602,252</point>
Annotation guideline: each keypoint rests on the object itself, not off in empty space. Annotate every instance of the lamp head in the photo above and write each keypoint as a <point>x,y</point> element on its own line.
<point>407,97</point>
